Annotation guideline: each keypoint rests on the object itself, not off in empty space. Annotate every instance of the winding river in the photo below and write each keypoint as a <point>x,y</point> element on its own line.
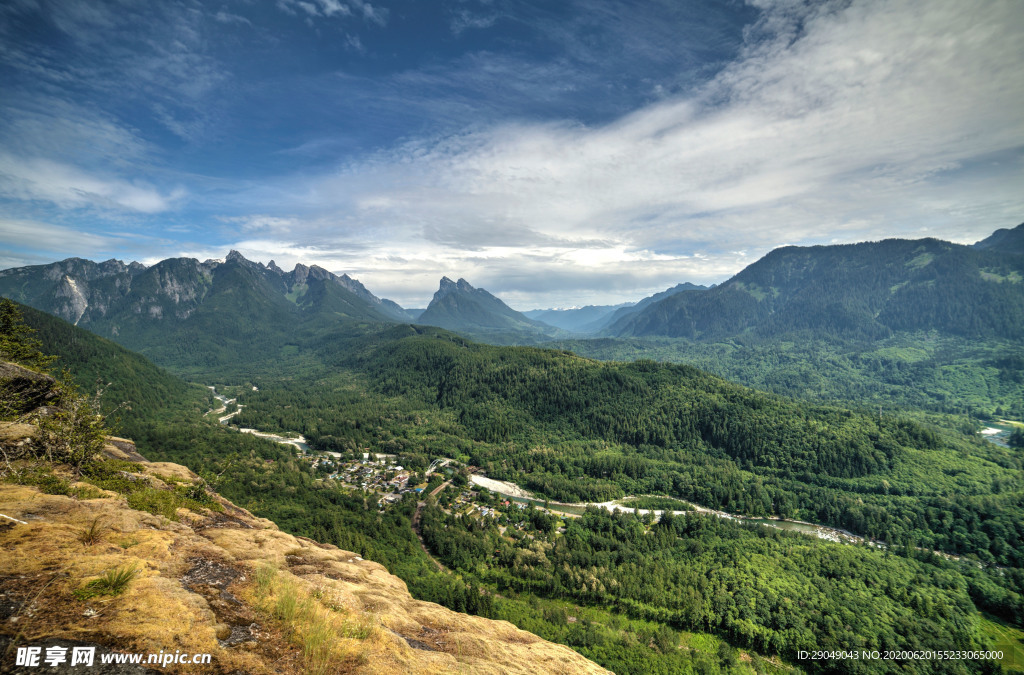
<point>518,494</point>
<point>298,441</point>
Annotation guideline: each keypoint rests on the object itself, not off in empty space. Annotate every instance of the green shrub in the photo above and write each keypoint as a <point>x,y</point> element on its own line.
<point>76,432</point>
<point>167,502</point>
<point>41,477</point>
<point>157,502</point>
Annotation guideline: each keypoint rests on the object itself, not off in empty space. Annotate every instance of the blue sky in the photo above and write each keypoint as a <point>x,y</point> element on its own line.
<point>556,153</point>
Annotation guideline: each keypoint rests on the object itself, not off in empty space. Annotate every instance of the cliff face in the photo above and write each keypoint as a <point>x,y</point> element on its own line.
<point>214,579</point>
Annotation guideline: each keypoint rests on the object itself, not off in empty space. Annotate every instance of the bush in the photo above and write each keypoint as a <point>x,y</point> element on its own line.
<point>75,433</point>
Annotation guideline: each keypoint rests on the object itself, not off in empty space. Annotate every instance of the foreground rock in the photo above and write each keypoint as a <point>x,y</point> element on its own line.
<point>223,582</point>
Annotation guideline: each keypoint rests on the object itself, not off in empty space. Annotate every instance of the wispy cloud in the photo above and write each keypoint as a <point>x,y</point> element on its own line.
<point>31,233</point>
<point>839,123</point>
<point>68,187</point>
<point>34,242</point>
<point>586,151</point>
<point>463,20</point>
<point>133,53</point>
<point>52,126</point>
<point>227,17</point>
<point>336,8</point>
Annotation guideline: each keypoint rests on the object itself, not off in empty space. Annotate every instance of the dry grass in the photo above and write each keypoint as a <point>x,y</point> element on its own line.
<point>92,534</point>
<point>328,635</point>
<point>318,608</point>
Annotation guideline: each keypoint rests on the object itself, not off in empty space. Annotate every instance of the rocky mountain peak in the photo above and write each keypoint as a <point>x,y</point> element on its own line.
<point>318,272</point>
<point>300,273</point>
<point>235,256</point>
<point>447,286</point>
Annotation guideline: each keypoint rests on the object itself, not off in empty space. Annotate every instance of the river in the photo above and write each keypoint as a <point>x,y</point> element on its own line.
<point>999,431</point>
<point>518,494</point>
<point>297,441</point>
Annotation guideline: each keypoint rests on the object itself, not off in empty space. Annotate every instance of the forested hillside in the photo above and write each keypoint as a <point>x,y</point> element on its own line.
<point>135,390</point>
<point>867,290</point>
<point>762,589</point>
<point>970,378</point>
<point>579,430</point>
<point>575,429</point>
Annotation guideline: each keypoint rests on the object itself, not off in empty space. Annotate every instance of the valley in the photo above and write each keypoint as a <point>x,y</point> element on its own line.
<point>391,337</point>
<point>674,514</point>
<point>516,494</point>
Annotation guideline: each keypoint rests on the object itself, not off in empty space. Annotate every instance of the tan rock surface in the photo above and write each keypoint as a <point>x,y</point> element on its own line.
<point>229,575</point>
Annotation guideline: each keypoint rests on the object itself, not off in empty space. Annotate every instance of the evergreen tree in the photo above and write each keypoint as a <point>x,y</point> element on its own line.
<point>17,343</point>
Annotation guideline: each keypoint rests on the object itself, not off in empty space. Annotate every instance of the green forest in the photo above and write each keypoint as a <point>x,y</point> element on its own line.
<point>771,591</point>
<point>574,430</point>
<point>919,371</point>
<point>686,594</point>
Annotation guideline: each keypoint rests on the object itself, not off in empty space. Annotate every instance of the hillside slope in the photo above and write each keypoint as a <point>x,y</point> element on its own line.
<point>196,316</point>
<point>146,391</point>
<point>620,315</point>
<point>866,290</point>
<point>1005,240</point>
<point>210,578</point>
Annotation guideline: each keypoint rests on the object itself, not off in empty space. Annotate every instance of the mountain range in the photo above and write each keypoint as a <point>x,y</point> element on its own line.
<point>865,290</point>
<point>101,294</point>
<point>347,372</point>
<point>183,310</point>
<point>576,319</point>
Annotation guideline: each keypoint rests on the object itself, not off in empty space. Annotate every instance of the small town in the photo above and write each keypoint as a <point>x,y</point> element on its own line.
<point>382,475</point>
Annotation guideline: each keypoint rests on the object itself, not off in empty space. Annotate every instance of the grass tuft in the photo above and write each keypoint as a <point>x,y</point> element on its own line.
<point>92,534</point>
<point>113,582</point>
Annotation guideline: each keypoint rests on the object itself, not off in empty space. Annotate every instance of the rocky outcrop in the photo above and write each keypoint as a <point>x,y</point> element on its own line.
<point>71,297</point>
<point>22,389</point>
<point>223,582</point>
<point>122,448</point>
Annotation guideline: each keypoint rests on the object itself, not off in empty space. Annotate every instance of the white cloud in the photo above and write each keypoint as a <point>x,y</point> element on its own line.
<point>228,17</point>
<point>52,126</point>
<point>69,187</point>
<point>33,235</point>
<point>841,122</point>
<point>464,20</point>
<point>838,122</point>
<point>336,8</point>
